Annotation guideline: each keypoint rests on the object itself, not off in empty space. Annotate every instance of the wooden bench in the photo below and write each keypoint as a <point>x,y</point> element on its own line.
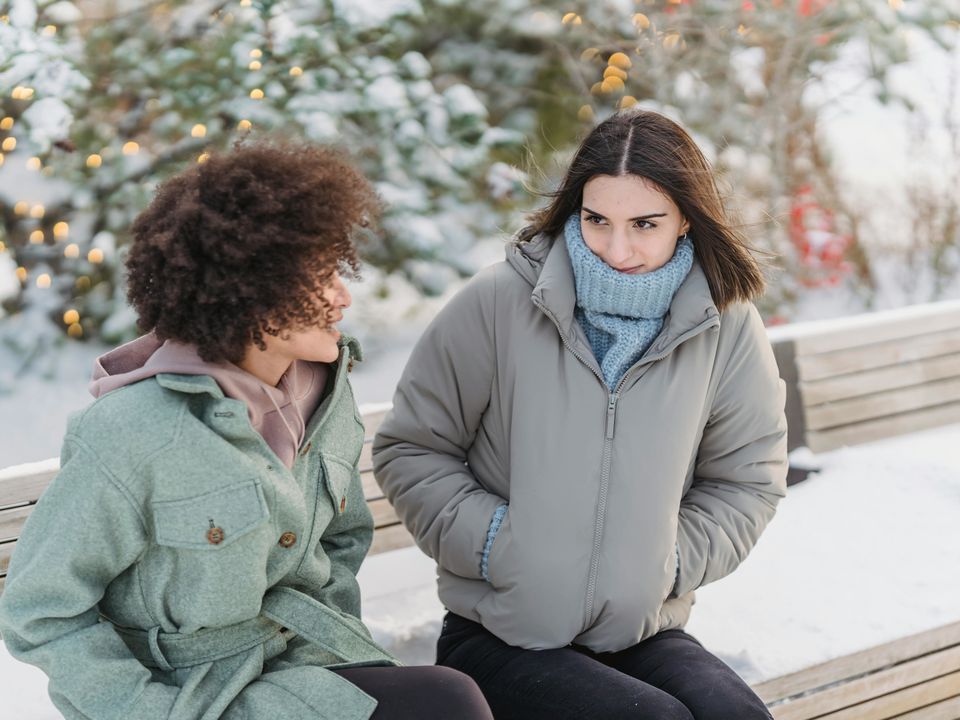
<point>848,381</point>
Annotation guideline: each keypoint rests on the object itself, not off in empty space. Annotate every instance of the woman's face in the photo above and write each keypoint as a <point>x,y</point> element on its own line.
<point>317,343</point>
<point>629,223</point>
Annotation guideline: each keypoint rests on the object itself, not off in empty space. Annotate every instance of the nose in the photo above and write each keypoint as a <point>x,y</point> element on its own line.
<point>341,295</point>
<point>618,251</point>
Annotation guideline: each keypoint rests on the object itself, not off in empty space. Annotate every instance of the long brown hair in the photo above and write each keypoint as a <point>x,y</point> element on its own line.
<point>651,146</point>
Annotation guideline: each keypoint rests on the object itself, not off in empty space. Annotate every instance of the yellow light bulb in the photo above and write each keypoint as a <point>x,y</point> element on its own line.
<point>244,125</point>
<point>75,331</point>
<point>611,84</point>
<point>22,274</point>
<point>82,283</point>
<point>6,123</point>
<point>203,157</point>
<point>296,71</point>
<point>2,159</point>
<point>70,317</point>
<point>9,144</point>
<point>245,3</point>
<point>34,164</point>
<point>254,65</point>
<point>620,60</point>
<point>671,40</point>
<point>43,281</point>
<point>26,93</point>
<point>94,161</point>
<point>198,131</point>
<point>613,71</point>
<point>21,208</point>
<point>256,53</point>
<point>71,251</point>
<point>641,21</point>
<point>130,148</point>
<point>50,31</point>
<point>589,54</point>
<point>36,237</point>
<point>16,92</point>
<point>37,211</point>
<point>571,18</point>
<point>95,256</point>
<point>627,101</point>
<point>3,246</point>
<point>61,230</point>
<point>256,94</point>
<point>585,113</point>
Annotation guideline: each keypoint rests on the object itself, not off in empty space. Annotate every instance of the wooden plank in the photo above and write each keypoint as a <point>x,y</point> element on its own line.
<point>18,489</point>
<point>823,440</point>
<point>870,328</point>
<point>879,405</point>
<point>895,352</point>
<point>6,550</point>
<point>948,709</point>
<point>383,513</point>
<point>391,538</point>
<point>371,424</point>
<point>880,379</point>
<point>12,520</point>
<point>896,704</point>
<point>866,688</point>
<point>371,491</point>
<point>859,663</point>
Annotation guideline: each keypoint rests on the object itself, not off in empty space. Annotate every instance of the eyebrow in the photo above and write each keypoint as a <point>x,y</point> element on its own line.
<point>641,217</point>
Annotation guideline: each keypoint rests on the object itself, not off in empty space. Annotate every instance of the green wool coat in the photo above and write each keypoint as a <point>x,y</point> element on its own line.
<point>176,569</point>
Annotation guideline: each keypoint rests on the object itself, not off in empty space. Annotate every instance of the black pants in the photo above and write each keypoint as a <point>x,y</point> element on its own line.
<point>419,693</point>
<point>667,676</point>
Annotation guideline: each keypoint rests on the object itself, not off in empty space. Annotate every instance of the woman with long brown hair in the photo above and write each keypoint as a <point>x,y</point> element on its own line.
<point>590,431</point>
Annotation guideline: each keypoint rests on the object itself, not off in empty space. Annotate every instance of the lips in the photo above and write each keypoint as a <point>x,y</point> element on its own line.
<point>630,270</point>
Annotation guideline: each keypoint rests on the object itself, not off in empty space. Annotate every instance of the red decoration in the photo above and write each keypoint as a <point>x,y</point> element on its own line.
<point>809,8</point>
<point>820,247</point>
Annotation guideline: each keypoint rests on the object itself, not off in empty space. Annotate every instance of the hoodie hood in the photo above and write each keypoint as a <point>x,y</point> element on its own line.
<point>278,413</point>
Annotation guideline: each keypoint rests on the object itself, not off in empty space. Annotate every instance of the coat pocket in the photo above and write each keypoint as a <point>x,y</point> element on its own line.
<point>339,476</point>
<point>211,520</point>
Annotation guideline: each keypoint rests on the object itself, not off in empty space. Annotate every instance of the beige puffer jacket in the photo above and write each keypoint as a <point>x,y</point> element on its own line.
<point>503,401</point>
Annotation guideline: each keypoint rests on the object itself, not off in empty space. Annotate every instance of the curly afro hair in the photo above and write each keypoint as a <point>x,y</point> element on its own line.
<point>244,244</point>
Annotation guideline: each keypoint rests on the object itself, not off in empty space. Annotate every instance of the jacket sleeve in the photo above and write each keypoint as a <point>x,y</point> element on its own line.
<point>420,450</point>
<point>741,465</point>
<point>83,533</point>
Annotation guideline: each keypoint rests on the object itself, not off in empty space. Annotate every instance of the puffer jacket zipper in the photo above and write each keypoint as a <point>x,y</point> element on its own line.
<point>609,431</point>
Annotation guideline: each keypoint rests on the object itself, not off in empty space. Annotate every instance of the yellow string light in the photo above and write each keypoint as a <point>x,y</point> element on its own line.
<point>585,113</point>
<point>6,123</point>
<point>2,159</point>
<point>95,256</point>
<point>254,65</point>
<point>37,211</point>
<point>94,161</point>
<point>75,331</point>
<point>3,246</point>
<point>71,251</point>
<point>589,54</point>
<point>620,60</point>
<point>296,71</point>
<point>16,92</point>
<point>596,88</point>
<point>203,157</point>
<point>9,144</point>
<point>71,316</point>
<point>130,148</point>
<point>671,40</point>
<point>641,21</point>
<point>627,101</point>
<point>742,30</point>
<point>613,71</point>
<point>571,18</point>
<point>50,31</point>
<point>244,125</point>
<point>36,237</point>
<point>895,4</point>
<point>34,164</point>
<point>22,274</point>
<point>611,84</point>
<point>21,208</point>
<point>82,283</point>
<point>61,230</point>
<point>43,281</point>
<point>256,53</point>
<point>245,3</point>
<point>198,131</point>
<point>256,94</point>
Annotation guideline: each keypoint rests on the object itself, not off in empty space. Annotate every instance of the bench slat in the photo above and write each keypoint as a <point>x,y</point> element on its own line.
<point>873,328</point>
<point>897,703</point>
<point>383,513</point>
<point>859,663</point>
<point>12,520</point>
<point>908,422</point>
<point>894,352</point>
<point>880,380</point>
<point>25,488</point>
<point>948,709</point>
<point>900,676</point>
<point>880,405</point>
<point>390,538</point>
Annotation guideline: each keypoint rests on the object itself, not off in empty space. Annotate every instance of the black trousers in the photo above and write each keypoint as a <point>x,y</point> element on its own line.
<point>419,693</point>
<point>667,676</point>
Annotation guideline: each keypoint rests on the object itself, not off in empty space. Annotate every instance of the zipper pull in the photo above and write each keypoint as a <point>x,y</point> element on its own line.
<point>611,415</point>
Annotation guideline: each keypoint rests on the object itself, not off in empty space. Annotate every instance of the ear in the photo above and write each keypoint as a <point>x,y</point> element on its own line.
<point>684,227</point>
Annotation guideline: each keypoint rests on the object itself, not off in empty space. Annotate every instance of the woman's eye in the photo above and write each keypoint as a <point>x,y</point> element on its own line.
<point>644,225</point>
<point>594,219</point>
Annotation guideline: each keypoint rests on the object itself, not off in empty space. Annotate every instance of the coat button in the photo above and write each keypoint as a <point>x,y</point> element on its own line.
<point>306,448</point>
<point>350,365</point>
<point>288,539</point>
<point>343,503</point>
<point>215,535</point>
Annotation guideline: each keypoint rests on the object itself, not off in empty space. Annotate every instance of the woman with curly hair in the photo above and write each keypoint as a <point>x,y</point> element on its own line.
<point>196,556</point>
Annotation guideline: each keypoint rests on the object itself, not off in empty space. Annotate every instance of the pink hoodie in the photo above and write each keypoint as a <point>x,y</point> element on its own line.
<point>278,413</point>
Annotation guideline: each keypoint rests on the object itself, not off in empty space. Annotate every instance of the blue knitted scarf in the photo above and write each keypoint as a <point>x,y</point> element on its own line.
<point>621,314</point>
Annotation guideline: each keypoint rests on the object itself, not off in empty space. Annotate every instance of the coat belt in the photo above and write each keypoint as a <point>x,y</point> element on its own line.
<point>283,608</point>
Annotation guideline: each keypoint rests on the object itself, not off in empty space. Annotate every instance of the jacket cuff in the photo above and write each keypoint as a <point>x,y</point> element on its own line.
<point>492,531</point>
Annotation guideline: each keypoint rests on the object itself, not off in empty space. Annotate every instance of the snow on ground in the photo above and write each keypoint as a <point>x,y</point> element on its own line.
<point>861,553</point>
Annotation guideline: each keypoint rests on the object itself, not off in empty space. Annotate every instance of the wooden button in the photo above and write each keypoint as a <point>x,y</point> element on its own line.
<point>288,539</point>
<point>215,535</point>
<point>306,448</point>
<point>343,503</point>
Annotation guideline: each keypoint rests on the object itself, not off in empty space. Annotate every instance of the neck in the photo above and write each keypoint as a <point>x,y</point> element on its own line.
<point>266,366</point>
